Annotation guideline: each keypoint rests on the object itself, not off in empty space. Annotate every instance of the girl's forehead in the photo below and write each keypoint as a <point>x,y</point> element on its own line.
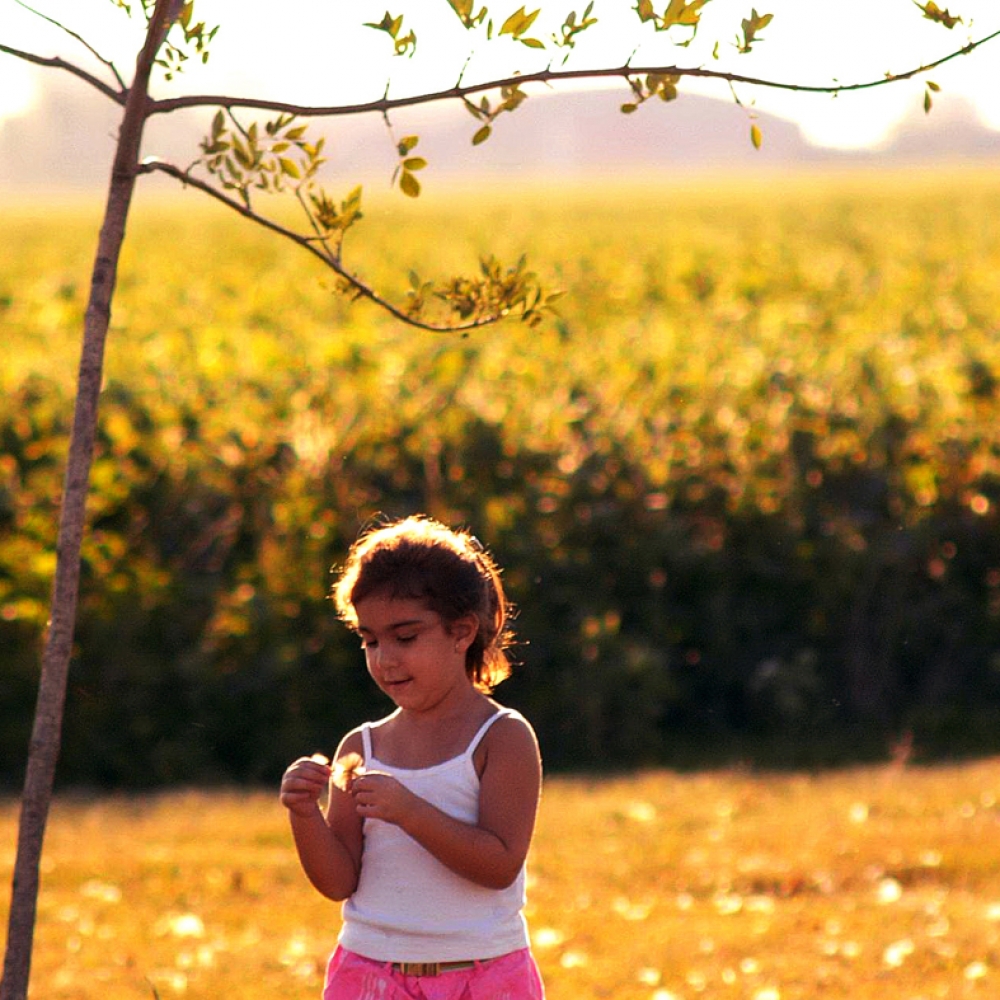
<point>384,611</point>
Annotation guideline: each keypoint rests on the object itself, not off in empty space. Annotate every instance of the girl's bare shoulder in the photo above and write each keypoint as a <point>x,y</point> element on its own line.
<point>353,742</point>
<point>511,735</point>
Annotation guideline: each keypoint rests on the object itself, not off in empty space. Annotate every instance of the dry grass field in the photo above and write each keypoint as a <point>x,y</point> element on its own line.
<point>870,883</point>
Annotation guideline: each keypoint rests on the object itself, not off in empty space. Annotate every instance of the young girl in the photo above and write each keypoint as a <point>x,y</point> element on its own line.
<point>431,809</point>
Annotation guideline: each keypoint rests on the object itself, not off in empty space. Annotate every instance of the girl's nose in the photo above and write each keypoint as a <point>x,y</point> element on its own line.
<point>383,655</point>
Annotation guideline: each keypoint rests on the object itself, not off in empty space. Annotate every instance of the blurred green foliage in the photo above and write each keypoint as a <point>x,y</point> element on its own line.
<point>745,488</point>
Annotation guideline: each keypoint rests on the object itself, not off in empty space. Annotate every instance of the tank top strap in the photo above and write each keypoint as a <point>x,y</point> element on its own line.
<point>366,741</point>
<point>477,739</point>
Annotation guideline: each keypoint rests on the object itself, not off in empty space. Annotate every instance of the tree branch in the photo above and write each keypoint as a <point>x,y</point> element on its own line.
<point>548,76</point>
<point>119,97</point>
<point>83,41</point>
<point>362,289</point>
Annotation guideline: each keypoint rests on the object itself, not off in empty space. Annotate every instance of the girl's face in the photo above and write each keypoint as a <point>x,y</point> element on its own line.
<point>411,652</point>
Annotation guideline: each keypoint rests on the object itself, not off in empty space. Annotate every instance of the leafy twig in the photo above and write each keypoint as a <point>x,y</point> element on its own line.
<point>355,285</point>
<point>552,76</point>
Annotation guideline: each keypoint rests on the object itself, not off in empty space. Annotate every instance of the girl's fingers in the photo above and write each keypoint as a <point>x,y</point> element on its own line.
<point>312,782</point>
<point>309,767</point>
<point>305,781</point>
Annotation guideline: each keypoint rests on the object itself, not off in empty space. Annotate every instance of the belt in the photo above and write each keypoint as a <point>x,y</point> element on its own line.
<point>429,968</point>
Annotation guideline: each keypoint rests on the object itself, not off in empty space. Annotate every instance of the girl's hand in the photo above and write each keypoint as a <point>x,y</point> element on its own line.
<point>380,796</point>
<point>303,784</point>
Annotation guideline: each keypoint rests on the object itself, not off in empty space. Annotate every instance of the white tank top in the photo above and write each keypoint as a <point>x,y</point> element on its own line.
<point>408,907</point>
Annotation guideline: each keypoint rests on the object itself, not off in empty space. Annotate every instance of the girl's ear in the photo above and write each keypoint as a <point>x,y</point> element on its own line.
<point>464,632</point>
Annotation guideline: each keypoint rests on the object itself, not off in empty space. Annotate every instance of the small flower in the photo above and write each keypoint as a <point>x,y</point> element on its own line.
<point>976,970</point>
<point>768,993</point>
<point>346,769</point>
<point>858,813</point>
<point>181,925</point>
<point>649,976</point>
<point>889,891</point>
<point>547,937</point>
<point>640,812</point>
<point>897,953</point>
<point>106,892</point>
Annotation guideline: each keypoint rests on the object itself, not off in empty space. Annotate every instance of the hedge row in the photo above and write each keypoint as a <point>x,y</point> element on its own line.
<point>650,619</point>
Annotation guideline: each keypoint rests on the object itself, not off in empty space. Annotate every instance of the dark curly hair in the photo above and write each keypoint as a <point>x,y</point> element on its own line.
<point>418,558</point>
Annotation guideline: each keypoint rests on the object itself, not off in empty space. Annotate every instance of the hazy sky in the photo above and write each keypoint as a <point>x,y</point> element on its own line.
<point>315,51</point>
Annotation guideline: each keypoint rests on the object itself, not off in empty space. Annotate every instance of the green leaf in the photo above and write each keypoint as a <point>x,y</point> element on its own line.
<point>928,102</point>
<point>751,26</point>
<point>241,153</point>
<point>628,109</point>
<point>482,135</point>
<point>683,13</point>
<point>532,43</point>
<point>289,167</point>
<point>513,97</point>
<point>644,8</point>
<point>409,184</point>
<point>389,24</point>
<point>463,8</point>
<point>407,143</point>
<point>519,22</point>
<point>414,163</point>
<point>934,13</point>
<point>408,43</point>
<point>755,136</point>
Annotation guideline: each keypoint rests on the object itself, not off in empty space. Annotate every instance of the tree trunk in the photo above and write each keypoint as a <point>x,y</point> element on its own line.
<point>47,731</point>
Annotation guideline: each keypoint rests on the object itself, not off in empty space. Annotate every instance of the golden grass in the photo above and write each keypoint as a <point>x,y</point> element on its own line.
<point>871,883</point>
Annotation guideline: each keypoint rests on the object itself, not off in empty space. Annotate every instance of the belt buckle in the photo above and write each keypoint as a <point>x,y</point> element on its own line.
<point>420,968</point>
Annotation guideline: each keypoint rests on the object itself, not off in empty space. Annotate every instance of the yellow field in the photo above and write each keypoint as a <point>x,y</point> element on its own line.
<point>876,883</point>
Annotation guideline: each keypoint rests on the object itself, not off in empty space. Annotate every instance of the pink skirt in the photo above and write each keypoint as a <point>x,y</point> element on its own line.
<point>509,977</point>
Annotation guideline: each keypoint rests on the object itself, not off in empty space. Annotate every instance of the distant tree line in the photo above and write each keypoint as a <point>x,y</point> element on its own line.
<point>657,626</point>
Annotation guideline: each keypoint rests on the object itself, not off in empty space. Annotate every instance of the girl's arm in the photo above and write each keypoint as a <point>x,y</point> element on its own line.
<point>329,846</point>
<point>492,851</point>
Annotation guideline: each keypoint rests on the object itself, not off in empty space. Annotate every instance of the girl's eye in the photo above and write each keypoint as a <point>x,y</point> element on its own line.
<point>407,638</point>
<point>368,643</point>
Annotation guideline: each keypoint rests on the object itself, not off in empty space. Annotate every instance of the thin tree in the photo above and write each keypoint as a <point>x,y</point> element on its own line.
<point>238,163</point>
